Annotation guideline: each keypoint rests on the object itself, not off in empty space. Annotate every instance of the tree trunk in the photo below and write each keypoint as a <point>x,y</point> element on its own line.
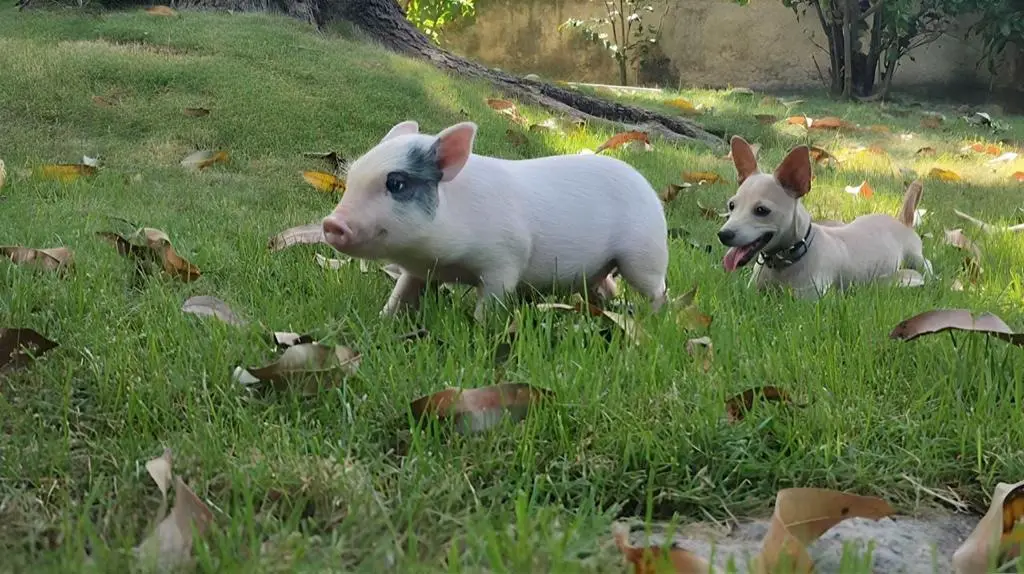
<point>847,49</point>
<point>384,21</point>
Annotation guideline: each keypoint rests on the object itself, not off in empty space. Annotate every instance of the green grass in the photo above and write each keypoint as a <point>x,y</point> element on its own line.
<point>341,480</point>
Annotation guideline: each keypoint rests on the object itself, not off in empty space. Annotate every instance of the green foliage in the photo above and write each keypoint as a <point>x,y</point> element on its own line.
<point>431,16</point>
<point>625,31</point>
<point>1001,23</point>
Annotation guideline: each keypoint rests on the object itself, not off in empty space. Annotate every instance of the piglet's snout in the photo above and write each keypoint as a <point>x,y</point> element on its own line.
<point>337,232</point>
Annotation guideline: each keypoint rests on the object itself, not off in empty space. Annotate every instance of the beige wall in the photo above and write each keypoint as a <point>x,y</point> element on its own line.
<point>709,43</point>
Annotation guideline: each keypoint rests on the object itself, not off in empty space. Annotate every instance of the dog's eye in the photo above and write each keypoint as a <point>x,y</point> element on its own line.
<point>761,211</point>
<point>396,183</point>
<point>732,205</point>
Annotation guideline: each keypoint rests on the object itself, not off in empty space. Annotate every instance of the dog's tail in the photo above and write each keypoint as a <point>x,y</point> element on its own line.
<point>910,200</point>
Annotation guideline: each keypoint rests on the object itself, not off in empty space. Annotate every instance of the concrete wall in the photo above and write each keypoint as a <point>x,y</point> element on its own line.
<point>706,43</point>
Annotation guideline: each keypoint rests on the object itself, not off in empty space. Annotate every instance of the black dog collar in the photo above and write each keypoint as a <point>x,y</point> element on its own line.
<point>786,257</point>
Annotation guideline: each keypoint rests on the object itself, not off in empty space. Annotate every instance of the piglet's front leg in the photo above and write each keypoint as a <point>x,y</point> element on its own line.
<point>493,288</point>
<point>407,293</point>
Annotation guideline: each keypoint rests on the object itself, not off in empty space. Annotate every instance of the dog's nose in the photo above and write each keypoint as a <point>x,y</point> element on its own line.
<point>726,235</point>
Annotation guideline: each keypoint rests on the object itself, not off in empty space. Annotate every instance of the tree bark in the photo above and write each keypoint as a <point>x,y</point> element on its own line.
<point>384,22</point>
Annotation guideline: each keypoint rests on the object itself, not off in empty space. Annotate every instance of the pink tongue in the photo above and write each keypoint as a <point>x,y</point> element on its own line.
<point>732,257</point>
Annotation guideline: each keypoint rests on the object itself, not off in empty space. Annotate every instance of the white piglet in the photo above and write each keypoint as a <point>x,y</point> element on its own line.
<point>445,214</point>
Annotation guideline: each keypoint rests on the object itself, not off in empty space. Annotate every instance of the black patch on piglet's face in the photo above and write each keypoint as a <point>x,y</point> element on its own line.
<point>415,186</point>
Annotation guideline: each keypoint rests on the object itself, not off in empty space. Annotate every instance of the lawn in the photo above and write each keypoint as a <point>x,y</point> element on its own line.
<point>342,479</point>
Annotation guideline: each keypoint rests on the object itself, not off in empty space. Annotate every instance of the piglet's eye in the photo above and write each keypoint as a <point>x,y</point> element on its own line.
<point>732,205</point>
<point>761,211</point>
<point>396,183</point>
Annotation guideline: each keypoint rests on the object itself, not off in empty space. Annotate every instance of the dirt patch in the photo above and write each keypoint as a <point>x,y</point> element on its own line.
<point>911,545</point>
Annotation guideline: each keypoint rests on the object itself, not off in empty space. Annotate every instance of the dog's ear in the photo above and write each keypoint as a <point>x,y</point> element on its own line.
<point>794,173</point>
<point>743,158</point>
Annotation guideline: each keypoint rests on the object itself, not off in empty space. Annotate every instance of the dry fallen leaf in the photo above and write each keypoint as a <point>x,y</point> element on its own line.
<point>926,151</point>
<point>702,347</point>
<point>203,159</point>
<point>213,307</point>
<point>879,129</point>
<point>1018,175</point>
<point>939,320</point>
<point>864,190</point>
<point>956,238</point>
<point>820,155</point>
<point>285,339</point>
<point>994,532</point>
<point>324,181</point>
<point>105,101</point>
<point>672,191</point>
<point>804,514</point>
<point>304,234</point>
<point>160,10</point>
<point>332,157</point>
<point>169,546</point>
<point>299,360</point>
<point>53,259</point>
<point>931,122</point>
<point>647,560</point>
<point>799,121</point>
<point>476,410</point>
<point>331,263</point>
<point>683,105</point>
<point>516,137</point>
<point>765,119</point>
<point>830,123</point>
<point>911,199</point>
<point>623,138</point>
<point>737,407</point>
<point>20,346</point>
<point>986,149</point>
<point>507,108</point>
<point>710,212</point>
<point>149,245</point>
<point>1003,158</point>
<point>987,227</point>
<point>196,112</point>
<point>944,174</point>
<point>629,327</point>
<point>687,315</point>
<point>701,177</point>
<point>67,172</point>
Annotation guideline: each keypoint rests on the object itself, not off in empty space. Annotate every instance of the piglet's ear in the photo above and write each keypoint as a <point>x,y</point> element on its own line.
<point>454,145</point>
<point>402,129</point>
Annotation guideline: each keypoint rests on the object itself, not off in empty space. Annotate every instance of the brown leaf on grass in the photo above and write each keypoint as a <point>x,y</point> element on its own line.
<point>54,259</point>
<point>326,263</point>
<point>701,177</point>
<point>738,406</point>
<point>324,182</point>
<point>986,149</point>
<point>956,238</point>
<point>169,546</point>
<point>507,108</point>
<point>476,410</point>
<point>820,155</point>
<point>997,535</point>
<point>687,315</point>
<point>911,199</point>
<point>623,138</point>
<point>684,105</point>
<point>864,190</point>
<point>20,346</point>
<point>830,123</point>
<point>516,137</point>
<point>206,305</point>
<point>311,234</point>
<point>196,112</point>
<point>1018,175</point>
<point>931,122</point>
<point>629,327</point>
<point>702,347</point>
<point>671,192</point>
<point>765,119</point>
<point>944,174</point>
<point>652,559</point>
<point>926,151</point>
<point>285,339</point>
<point>160,10</point>
<point>804,514</point>
<point>332,157</point>
<point>67,172</point>
<point>939,320</point>
<point>153,245</point>
<point>105,101</point>
<point>880,129</point>
<point>303,361</point>
<point>710,212</point>
<point>203,159</point>
<point>799,121</point>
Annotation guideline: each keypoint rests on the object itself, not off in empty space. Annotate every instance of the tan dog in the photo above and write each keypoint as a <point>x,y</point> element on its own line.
<point>767,221</point>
